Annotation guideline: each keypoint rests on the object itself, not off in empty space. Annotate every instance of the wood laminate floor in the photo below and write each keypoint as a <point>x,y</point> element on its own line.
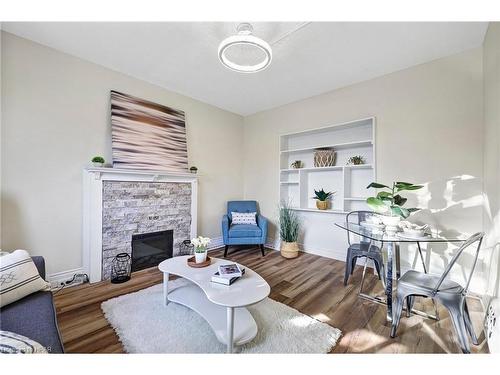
<point>311,284</point>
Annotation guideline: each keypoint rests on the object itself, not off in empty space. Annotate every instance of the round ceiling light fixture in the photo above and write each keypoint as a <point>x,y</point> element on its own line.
<point>244,52</point>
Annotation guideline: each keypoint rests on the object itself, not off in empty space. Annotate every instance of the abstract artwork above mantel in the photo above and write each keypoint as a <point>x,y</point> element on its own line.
<point>147,135</point>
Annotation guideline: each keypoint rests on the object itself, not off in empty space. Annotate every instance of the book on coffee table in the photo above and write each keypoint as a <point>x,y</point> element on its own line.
<point>229,270</point>
<point>217,278</point>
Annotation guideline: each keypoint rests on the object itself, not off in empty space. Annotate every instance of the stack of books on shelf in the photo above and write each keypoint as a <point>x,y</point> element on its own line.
<point>228,274</point>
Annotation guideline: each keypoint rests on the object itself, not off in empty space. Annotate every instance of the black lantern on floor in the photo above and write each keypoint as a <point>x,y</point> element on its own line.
<point>121,268</point>
<point>186,248</point>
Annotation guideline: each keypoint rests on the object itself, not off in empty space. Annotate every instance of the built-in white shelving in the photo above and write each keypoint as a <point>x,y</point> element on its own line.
<point>348,181</point>
<point>338,146</point>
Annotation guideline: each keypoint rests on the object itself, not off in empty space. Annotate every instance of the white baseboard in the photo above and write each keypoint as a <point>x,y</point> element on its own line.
<point>215,243</point>
<point>55,279</point>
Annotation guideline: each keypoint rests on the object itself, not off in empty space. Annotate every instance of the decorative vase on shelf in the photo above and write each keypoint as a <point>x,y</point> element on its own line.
<point>289,249</point>
<point>322,205</point>
<point>98,165</point>
<point>324,157</point>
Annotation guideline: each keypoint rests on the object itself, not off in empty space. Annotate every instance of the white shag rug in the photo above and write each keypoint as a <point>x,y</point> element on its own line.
<point>144,325</point>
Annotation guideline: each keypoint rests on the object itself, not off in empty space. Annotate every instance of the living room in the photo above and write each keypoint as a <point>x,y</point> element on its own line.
<point>250,186</point>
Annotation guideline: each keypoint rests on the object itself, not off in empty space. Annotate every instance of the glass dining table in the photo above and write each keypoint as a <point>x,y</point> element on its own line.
<point>392,240</point>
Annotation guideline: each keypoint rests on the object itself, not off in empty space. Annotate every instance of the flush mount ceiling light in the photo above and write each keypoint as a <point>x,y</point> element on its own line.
<point>244,52</point>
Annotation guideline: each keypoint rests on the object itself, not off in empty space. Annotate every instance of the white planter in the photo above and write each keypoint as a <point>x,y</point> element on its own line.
<point>200,257</point>
<point>98,165</point>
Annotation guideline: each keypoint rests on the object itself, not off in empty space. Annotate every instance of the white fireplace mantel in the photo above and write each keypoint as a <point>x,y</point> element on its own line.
<point>92,207</point>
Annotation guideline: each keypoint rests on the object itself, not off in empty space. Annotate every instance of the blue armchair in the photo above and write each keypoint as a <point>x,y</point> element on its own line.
<point>243,234</point>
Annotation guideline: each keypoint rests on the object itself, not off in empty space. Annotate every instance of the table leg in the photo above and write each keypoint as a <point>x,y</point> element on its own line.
<point>230,329</point>
<point>165,288</point>
<point>398,260</point>
<point>388,284</point>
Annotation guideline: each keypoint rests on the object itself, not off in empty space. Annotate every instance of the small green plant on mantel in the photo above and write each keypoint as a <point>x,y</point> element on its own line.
<point>98,159</point>
<point>389,202</point>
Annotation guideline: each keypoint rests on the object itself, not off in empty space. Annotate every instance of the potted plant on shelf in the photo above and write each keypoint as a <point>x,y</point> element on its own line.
<point>98,161</point>
<point>322,198</point>
<point>200,248</point>
<point>193,169</point>
<point>389,203</point>
<point>356,160</point>
<point>289,231</point>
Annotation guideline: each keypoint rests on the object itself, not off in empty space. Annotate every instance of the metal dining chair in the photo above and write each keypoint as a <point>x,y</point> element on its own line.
<point>449,293</point>
<point>363,249</point>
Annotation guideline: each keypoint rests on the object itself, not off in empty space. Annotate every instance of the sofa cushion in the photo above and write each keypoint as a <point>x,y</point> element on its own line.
<point>12,343</point>
<point>244,230</point>
<point>34,317</point>
<point>19,277</point>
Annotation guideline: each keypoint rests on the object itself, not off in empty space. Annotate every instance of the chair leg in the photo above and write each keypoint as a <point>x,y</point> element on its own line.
<point>469,326</point>
<point>410,300</point>
<point>377,267</point>
<point>398,309</point>
<point>353,264</point>
<point>457,317</point>
<point>348,267</point>
<point>225,250</point>
<point>262,250</point>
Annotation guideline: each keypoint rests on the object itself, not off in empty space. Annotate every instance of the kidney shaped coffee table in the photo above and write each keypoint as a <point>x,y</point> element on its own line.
<point>222,306</point>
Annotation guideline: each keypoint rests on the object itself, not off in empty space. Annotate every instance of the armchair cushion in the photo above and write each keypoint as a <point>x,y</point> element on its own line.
<point>244,230</point>
<point>243,218</point>
<point>241,206</point>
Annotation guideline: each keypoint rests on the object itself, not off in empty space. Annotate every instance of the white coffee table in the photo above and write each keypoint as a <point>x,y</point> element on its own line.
<point>223,307</point>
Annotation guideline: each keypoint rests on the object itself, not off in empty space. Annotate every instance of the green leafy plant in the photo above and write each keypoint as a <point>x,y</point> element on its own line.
<point>98,159</point>
<point>289,223</point>
<point>389,201</point>
<point>322,196</point>
<point>193,169</point>
<point>356,160</point>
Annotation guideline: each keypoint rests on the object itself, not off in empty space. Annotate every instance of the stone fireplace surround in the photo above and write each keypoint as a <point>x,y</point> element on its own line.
<point>121,202</point>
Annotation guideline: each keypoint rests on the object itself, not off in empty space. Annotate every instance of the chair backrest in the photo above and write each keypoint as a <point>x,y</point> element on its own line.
<point>357,217</point>
<point>478,237</point>
<point>241,206</point>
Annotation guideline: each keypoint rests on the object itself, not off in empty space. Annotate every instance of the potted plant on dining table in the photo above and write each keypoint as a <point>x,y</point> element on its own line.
<point>389,202</point>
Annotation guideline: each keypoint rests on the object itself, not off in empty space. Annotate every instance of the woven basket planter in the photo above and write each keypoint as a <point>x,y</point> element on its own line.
<point>324,158</point>
<point>289,249</point>
<point>322,205</point>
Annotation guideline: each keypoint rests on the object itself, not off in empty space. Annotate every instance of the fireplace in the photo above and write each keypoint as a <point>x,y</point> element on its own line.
<point>149,249</point>
<point>119,203</point>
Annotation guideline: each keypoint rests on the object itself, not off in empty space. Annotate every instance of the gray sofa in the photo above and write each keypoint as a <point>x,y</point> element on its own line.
<point>34,316</point>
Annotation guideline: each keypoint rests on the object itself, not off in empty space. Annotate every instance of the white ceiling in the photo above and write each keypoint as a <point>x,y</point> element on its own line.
<point>319,57</point>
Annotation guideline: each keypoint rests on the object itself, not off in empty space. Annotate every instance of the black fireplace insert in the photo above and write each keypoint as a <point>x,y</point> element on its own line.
<point>149,249</point>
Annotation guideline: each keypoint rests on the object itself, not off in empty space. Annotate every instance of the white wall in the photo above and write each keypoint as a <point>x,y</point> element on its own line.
<point>56,117</point>
<point>491,50</point>
<point>429,131</point>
